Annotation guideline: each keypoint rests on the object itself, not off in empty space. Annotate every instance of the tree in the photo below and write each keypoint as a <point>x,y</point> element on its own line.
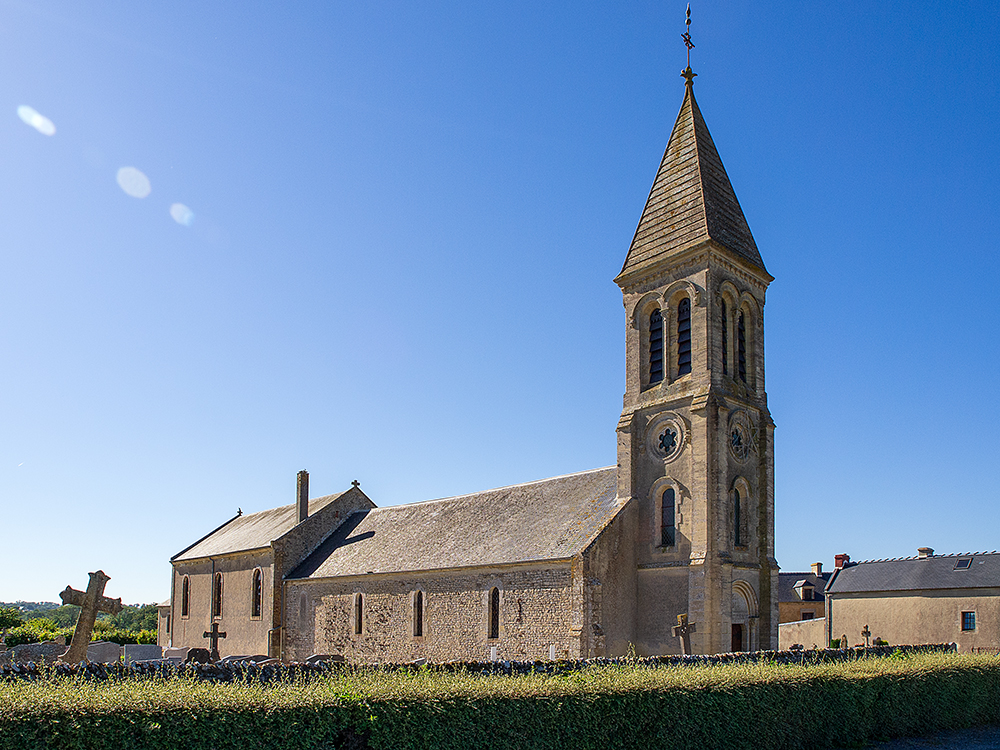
<point>10,617</point>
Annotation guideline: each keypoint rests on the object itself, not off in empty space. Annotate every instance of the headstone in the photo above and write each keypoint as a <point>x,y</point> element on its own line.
<point>214,634</point>
<point>90,602</point>
<point>324,657</point>
<point>493,653</point>
<point>266,662</point>
<point>866,634</point>
<point>176,654</point>
<point>49,651</point>
<point>198,656</point>
<point>552,652</point>
<point>142,652</point>
<point>843,641</point>
<point>235,658</point>
<point>103,652</point>
<point>683,630</point>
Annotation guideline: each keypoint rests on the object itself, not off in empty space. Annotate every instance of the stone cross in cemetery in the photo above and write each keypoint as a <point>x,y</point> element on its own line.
<point>90,602</point>
<point>866,634</point>
<point>683,630</point>
<point>215,635</point>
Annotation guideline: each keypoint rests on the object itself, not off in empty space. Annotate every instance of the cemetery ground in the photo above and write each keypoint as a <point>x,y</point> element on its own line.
<point>760,705</point>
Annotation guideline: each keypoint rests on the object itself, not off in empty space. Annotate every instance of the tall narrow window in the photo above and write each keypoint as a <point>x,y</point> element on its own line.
<point>725,339</point>
<point>494,613</point>
<point>168,624</point>
<point>418,613</point>
<point>655,346</point>
<point>217,596</point>
<point>741,345</point>
<point>737,520</point>
<point>667,518</point>
<point>359,613</point>
<point>684,337</point>
<point>257,594</point>
<point>185,597</point>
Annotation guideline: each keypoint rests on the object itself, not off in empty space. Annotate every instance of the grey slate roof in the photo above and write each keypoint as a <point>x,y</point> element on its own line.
<point>251,531</point>
<point>787,581</point>
<point>915,574</point>
<point>691,199</point>
<point>545,520</point>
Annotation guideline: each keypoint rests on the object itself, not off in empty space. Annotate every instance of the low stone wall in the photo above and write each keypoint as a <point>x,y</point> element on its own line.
<point>242,671</point>
<point>806,633</point>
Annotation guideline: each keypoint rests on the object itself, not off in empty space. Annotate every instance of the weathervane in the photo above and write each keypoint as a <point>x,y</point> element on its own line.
<point>688,74</point>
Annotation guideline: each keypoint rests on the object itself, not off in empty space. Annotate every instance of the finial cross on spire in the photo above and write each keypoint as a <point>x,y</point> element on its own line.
<point>687,73</point>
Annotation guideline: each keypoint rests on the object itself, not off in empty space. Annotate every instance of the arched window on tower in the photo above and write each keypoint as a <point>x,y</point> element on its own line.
<point>667,516</point>
<point>684,337</point>
<point>494,626</point>
<point>217,596</point>
<point>185,597</point>
<point>725,338</point>
<point>655,346</point>
<point>737,520</point>
<point>741,345</point>
<point>257,593</point>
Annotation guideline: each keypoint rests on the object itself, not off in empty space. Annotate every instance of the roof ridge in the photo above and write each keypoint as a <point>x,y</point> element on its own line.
<point>491,489</point>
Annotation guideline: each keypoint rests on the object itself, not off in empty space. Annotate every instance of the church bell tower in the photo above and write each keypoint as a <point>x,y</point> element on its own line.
<point>696,439</point>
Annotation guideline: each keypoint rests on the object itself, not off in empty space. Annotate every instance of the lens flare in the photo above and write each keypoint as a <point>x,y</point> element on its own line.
<point>182,214</point>
<point>134,182</point>
<point>39,122</point>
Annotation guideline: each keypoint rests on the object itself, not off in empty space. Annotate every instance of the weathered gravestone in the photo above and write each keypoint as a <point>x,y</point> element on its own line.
<point>142,652</point>
<point>198,656</point>
<point>103,652</point>
<point>683,630</point>
<point>47,651</point>
<point>90,602</point>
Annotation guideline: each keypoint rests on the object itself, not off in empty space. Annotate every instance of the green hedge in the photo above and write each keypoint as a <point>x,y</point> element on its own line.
<point>757,707</point>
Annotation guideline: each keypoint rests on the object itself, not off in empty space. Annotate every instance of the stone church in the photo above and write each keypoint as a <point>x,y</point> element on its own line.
<point>580,565</point>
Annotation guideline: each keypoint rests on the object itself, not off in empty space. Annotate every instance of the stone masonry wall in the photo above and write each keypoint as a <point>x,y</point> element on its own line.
<point>535,612</point>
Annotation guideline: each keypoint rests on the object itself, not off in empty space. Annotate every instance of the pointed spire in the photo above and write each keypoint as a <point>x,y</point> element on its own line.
<point>691,200</point>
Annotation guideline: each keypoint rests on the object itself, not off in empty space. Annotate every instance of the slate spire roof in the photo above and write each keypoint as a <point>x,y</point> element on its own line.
<point>691,199</point>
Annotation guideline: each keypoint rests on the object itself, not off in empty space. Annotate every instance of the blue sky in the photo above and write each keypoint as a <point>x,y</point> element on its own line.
<point>406,221</point>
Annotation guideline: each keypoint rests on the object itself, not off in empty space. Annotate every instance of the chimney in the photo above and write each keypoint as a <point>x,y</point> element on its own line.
<point>302,495</point>
<point>841,560</point>
<point>817,569</point>
<point>924,552</point>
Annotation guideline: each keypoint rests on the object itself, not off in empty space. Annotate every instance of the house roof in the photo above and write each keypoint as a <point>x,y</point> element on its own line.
<point>251,531</point>
<point>788,581</point>
<point>691,199</point>
<point>544,520</point>
<point>918,574</point>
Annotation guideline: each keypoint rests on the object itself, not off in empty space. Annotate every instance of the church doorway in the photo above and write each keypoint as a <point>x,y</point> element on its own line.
<point>737,637</point>
<point>742,615</point>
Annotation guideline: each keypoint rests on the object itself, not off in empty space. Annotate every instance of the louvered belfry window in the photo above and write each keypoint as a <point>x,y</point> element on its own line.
<point>725,339</point>
<point>655,346</point>
<point>667,518</point>
<point>741,345</point>
<point>684,337</point>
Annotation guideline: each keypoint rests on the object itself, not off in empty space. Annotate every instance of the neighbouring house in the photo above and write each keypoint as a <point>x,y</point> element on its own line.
<point>924,599</point>
<point>801,595</point>
<point>594,563</point>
